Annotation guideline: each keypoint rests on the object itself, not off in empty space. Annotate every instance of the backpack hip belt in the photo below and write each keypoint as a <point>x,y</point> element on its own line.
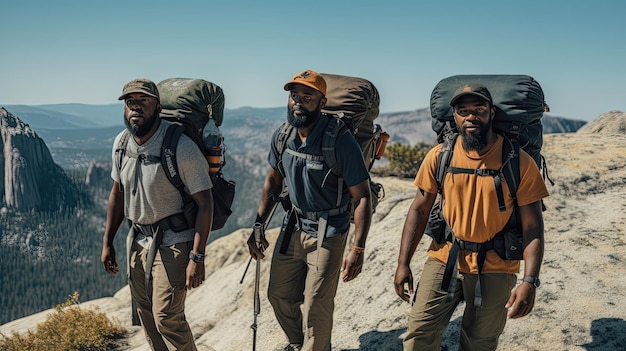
<point>316,215</point>
<point>448,283</point>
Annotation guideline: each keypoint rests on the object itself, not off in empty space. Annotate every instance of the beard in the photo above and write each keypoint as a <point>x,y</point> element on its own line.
<point>476,141</point>
<point>305,118</point>
<point>139,131</point>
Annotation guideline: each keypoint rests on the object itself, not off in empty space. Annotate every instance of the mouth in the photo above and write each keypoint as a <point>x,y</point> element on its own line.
<point>472,128</point>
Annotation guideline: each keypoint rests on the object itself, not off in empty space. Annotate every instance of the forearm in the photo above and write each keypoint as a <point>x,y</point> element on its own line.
<point>533,256</point>
<point>414,225</point>
<point>204,218</point>
<point>115,215</point>
<point>362,221</point>
<point>533,237</point>
<point>270,193</point>
<point>412,233</point>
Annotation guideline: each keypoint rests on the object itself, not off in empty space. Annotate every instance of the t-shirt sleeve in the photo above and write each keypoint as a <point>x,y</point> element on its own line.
<point>193,166</point>
<point>115,174</point>
<point>350,160</point>
<point>272,156</point>
<point>425,178</point>
<point>532,186</point>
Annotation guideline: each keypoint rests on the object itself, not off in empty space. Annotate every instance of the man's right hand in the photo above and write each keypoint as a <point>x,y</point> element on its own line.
<point>108,259</point>
<point>255,251</point>
<point>404,276</point>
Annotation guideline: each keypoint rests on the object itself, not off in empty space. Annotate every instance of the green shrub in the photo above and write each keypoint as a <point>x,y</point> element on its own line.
<point>404,160</point>
<point>69,328</point>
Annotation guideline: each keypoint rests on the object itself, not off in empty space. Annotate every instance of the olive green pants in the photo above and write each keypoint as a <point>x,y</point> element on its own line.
<point>480,328</point>
<point>304,276</point>
<point>161,306</point>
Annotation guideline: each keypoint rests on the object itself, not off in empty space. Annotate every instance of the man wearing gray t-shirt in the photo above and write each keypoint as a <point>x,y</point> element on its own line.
<point>165,249</point>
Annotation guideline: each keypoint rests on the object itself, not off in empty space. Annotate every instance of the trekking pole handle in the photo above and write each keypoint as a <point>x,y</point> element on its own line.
<point>258,230</point>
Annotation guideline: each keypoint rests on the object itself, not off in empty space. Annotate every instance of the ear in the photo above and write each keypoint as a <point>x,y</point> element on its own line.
<point>322,102</point>
<point>493,112</point>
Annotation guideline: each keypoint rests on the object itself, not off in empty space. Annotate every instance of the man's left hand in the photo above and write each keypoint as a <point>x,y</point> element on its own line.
<point>195,274</point>
<point>521,301</point>
<point>352,265</point>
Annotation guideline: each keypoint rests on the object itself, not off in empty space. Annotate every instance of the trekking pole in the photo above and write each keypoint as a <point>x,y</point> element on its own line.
<point>265,224</point>
<point>258,230</point>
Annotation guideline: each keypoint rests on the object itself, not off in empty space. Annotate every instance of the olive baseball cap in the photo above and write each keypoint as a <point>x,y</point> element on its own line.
<point>140,85</point>
<point>310,79</point>
<point>472,89</point>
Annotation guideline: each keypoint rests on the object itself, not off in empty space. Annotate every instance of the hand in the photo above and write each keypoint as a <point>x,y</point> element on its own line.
<point>521,301</point>
<point>256,251</point>
<point>403,276</point>
<point>108,259</point>
<point>195,274</point>
<point>352,265</point>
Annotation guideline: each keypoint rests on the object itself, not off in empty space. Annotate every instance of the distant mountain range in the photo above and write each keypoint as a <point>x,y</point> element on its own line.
<point>57,123</point>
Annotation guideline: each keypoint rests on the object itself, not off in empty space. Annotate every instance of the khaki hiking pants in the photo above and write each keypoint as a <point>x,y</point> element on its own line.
<point>302,276</point>
<point>163,318</point>
<point>430,313</point>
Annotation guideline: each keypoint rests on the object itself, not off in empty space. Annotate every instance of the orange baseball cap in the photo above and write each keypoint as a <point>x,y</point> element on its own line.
<point>310,79</point>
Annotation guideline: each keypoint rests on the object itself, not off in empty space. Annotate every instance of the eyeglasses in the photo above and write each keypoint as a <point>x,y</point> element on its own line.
<point>466,111</point>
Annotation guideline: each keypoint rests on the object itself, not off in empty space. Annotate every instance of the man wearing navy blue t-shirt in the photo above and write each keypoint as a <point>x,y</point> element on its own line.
<point>308,258</point>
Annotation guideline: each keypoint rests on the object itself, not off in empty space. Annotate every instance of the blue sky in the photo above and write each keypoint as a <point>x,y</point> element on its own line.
<point>85,51</point>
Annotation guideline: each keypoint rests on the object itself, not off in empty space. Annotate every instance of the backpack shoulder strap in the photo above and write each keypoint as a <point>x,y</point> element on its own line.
<point>168,155</point>
<point>120,152</point>
<point>510,165</point>
<point>281,144</point>
<point>334,128</point>
<point>444,158</point>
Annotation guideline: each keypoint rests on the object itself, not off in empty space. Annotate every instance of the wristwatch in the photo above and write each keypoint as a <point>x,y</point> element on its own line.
<point>533,280</point>
<point>196,257</point>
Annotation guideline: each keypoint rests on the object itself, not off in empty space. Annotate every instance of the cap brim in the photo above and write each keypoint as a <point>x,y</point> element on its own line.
<point>456,98</point>
<point>287,86</point>
<point>122,97</point>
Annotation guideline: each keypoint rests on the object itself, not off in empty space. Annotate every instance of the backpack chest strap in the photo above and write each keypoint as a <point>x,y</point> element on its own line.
<point>308,157</point>
<point>497,181</point>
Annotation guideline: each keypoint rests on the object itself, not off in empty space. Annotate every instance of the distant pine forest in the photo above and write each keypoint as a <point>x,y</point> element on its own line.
<point>45,257</point>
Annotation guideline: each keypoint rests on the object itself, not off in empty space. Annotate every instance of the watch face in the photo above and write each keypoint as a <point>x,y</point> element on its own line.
<point>533,280</point>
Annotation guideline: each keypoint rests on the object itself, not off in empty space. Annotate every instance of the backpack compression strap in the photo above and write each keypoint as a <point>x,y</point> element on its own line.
<point>495,173</point>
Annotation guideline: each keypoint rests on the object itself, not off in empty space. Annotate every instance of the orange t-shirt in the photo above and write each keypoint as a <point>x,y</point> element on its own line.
<point>471,206</point>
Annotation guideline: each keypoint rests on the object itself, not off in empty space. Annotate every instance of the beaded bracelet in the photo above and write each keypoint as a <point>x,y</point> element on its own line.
<point>358,249</point>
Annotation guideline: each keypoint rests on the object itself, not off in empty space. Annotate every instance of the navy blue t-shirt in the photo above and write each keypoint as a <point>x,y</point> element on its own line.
<point>312,185</point>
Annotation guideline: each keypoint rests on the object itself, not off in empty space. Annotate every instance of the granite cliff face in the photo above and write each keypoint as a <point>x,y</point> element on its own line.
<point>30,180</point>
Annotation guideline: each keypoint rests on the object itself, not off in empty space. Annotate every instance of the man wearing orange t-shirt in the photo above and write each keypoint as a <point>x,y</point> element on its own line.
<point>471,210</point>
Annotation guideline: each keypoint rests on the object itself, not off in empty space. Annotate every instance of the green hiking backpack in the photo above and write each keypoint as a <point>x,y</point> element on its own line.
<point>353,104</point>
<point>519,103</point>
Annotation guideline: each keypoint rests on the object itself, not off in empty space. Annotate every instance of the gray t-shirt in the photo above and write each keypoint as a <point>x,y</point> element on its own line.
<point>148,195</point>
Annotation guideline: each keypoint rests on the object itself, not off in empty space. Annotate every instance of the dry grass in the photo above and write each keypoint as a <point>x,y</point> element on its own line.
<point>68,328</point>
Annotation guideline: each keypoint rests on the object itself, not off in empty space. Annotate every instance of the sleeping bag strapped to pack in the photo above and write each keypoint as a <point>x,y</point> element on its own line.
<point>519,103</point>
<point>198,105</point>
<point>355,101</point>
